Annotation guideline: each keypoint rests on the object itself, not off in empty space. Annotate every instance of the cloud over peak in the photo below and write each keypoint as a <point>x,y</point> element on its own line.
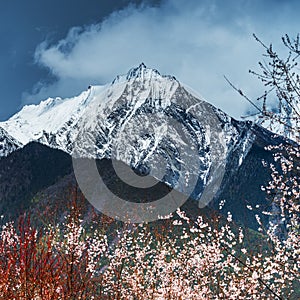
<point>198,42</point>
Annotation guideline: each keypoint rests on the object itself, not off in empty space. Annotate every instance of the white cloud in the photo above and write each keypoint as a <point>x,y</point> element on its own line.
<point>198,42</point>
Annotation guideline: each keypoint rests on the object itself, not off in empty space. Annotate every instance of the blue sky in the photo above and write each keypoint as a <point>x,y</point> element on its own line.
<point>57,48</point>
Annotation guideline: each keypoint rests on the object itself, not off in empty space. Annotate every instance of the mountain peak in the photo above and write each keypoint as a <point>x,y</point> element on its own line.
<point>141,72</point>
<point>142,65</point>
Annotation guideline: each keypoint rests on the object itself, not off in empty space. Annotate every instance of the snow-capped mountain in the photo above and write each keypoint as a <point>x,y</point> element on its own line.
<point>8,144</point>
<point>150,121</point>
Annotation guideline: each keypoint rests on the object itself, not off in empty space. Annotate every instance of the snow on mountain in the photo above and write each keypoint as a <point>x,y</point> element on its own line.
<point>50,115</point>
<point>147,120</point>
<point>7,143</point>
<point>283,125</point>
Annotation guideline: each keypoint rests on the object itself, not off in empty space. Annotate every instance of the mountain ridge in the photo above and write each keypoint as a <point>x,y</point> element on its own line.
<point>148,121</point>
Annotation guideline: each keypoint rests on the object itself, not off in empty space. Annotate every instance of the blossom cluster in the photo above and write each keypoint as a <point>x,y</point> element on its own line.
<point>176,258</point>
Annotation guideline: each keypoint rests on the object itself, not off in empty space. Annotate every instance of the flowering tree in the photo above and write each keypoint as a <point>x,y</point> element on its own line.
<point>281,78</point>
<point>280,111</point>
<point>177,258</point>
<point>49,263</point>
<point>29,267</point>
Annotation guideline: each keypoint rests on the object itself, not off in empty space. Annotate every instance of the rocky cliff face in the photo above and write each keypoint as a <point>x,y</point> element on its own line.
<point>8,144</point>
